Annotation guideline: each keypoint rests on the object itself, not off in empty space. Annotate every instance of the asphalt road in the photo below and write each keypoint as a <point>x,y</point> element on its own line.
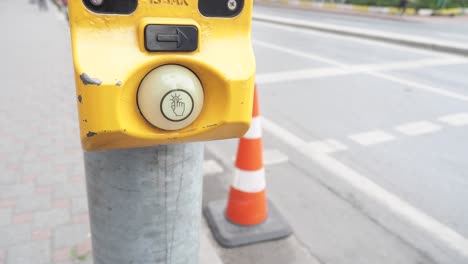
<point>365,142</point>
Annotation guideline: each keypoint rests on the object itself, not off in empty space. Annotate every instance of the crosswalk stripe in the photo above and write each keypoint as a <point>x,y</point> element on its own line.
<point>372,137</point>
<point>418,128</point>
<point>459,119</point>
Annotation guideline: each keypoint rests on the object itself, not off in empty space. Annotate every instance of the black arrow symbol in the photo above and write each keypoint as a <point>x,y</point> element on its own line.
<point>179,37</point>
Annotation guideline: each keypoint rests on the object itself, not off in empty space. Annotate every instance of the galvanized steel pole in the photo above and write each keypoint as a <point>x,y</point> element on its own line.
<point>145,204</point>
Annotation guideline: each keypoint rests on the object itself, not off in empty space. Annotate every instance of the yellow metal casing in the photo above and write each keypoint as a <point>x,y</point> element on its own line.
<point>111,60</point>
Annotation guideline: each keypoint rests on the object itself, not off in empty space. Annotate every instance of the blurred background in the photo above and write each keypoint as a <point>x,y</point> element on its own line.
<point>364,107</point>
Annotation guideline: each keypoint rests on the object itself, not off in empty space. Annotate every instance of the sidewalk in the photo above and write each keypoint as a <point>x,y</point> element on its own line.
<point>43,203</point>
<point>43,214</point>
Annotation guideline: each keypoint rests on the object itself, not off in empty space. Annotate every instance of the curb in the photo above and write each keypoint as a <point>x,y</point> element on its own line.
<point>365,9</point>
<point>402,39</point>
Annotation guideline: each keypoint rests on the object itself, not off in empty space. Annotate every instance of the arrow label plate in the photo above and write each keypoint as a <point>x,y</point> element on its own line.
<point>171,38</point>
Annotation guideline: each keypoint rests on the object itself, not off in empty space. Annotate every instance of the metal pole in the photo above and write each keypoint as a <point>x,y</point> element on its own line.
<point>145,204</point>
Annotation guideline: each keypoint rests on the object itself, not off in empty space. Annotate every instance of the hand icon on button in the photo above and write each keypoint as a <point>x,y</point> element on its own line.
<point>177,105</point>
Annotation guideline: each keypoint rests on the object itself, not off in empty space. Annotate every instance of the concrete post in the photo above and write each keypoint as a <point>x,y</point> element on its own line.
<point>145,204</point>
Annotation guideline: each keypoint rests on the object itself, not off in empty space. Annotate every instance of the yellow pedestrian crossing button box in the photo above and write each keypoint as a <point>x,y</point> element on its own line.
<point>154,72</point>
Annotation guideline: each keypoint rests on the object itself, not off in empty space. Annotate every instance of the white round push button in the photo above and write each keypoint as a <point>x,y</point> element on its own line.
<point>170,97</point>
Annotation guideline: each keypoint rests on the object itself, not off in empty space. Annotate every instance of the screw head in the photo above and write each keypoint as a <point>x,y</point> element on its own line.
<point>232,5</point>
<point>97,2</point>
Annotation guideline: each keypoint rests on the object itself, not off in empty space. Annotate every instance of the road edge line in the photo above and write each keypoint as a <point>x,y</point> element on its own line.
<point>360,183</point>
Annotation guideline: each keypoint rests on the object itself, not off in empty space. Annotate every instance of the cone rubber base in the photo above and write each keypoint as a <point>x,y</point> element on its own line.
<point>231,235</point>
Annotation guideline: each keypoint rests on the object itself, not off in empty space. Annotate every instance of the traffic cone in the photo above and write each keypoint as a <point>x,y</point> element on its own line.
<point>247,203</point>
<point>248,217</point>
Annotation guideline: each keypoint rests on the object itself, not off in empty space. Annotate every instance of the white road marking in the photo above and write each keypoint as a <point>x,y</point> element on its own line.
<point>459,119</point>
<point>402,81</point>
<point>420,86</point>
<point>418,128</point>
<point>285,76</point>
<point>372,137</point>
<point>298,53</point>
<point>273,157</point>
<point>362,184</point>
<point>211,167</point>
<point>312,73</point>
<point>327,146</point>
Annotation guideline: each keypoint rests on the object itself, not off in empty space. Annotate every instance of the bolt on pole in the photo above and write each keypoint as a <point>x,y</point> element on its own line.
<point>145,204</point>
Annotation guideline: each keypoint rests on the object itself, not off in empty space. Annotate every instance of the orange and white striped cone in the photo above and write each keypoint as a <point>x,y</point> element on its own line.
<point>248,217</point>
<point>247,203</point>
